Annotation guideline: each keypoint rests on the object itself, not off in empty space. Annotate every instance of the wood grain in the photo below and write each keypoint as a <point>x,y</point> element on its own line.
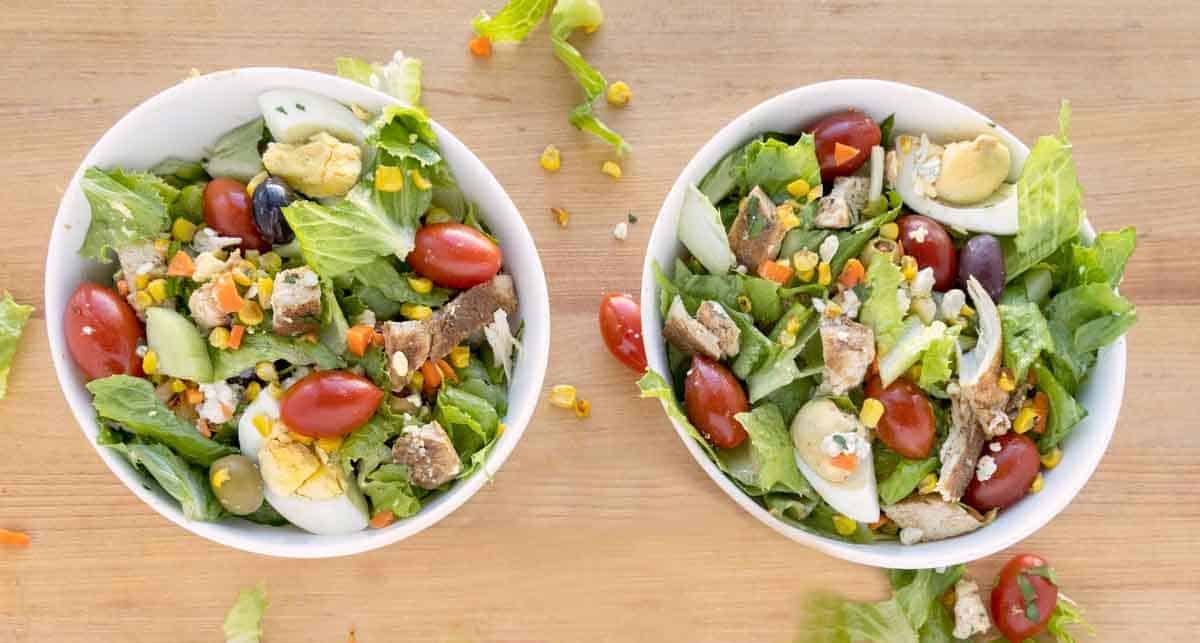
<point>604,529</point>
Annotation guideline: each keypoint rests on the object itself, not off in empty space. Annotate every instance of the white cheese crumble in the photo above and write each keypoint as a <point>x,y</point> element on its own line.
<point>994,447</point>
<point>829,247</point>
<point>742,269</point>
<point>918,234</point>
<point>836,444</point>
<point>985,468</point>
<point>207,240</point>
<point>621,231</point>
<point>818,305</point>
<point>220,400</point>
<point>927,168</point>
<point>911,535</point>
<point>365,318</point>
<point>952,303</point>
<point>922,284</point>
<point>850,303</point>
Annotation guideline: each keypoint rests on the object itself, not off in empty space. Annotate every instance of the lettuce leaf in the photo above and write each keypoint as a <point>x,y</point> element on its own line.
<point>851,242</point>
<point>1103,262</point>
<point>13,317</point>
<point>367,447</point>
<point>337,239</point>
<point>268,347</point>
<point>243,623</point>
<point>512,23</point>
<point>1066,612</point>
<point>470,421</point>
<point>399,77</point>
<point>772,164</point>
<point>909,348</point>
<point>236,153</point>
<point>937,364</point>
<point>833,619</point>
<point>654,385</point>
<point>389,489</point>
<point>775,374</point>
<point>567,16</point>
<point>1049,201</point>
<point>181,481</point>
<point>904,478</point>
<point>1065,411</point>
<point>771,452</point>
<point>917,592</point>
<point>127,208</point>
<point>1026,334</point>
<point>1082,320</point>
<point>881,309</point>
<point>382,276</point>
<point>405,132</point>
<point>333,320</point>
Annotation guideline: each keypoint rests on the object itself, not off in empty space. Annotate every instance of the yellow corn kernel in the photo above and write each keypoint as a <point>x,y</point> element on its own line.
<point>1006,382</point>
<point>177,386</point>
<point>438,215</point>
<point>255,182</point>
<point>889,231</point>
<point>844,525</point>
<point>793,325</point>
<point>1051,458</point>
<point>966,311</point>
<point>1026,419</point>
<point>460,357</point>
<point>551,159</point>
<point>583,408</point>
<point>908,267</point>
<point>798,188</point>
<point>274,390</point>
<point>619,94</point>
<point>805,260</point>
<point>183,230</point>
<point>243,274</point>
<point>416,381</point>
<point>266,286</point>
<point>420,285</point>
<point>219,337</point>
<point>329,444</point>
<point>1038,483</point>
<point>158,290</point>
<point>787,340</point>
<point>561,216</point>
<point>141,281</point>
<point>142,300</point>
<point>219,477</point>
<point>162,246</point>
<point>816,192</point>
<point>252,391</point>
<point>786,213</point>
<point>251,313</point>
<point>805,275</point>
<point>266,372</point>
<point>419,180</point>
<point>501,429</point>
<point>271,262</point>
<point>824,276</point>
<point>389,178</point>
<point>905,143</point>
<point>832,310</point>
<point>871,413</point>
<point>744,304</point>
<point>302,439</point>
<point>150,362</point>
<point>416,311</point>
<point>914,373</point>
<point>927,484</point>
<point>612,169</point>
<point>563,396</point>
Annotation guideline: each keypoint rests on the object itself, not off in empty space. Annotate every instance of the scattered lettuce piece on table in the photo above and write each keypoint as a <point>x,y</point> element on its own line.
<point>513,23</point>
<point>567,16</point>
<point>127,208</point>
<point>399,77</point>
<point>1066,612</point>
<point>653,385</point>
<point>13,317</point>
<point>243,623</point>
<point>908,617</point>
<point>183,482</point>
<point>268,347</point>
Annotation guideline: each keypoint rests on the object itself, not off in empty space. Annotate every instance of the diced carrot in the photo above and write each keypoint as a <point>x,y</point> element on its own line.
<point>181,265</point>
<point>202,427</point>
<point>852,274</point>
<point>358,338</point>
<point>843,153</point>
<point>123,287</point>
<point>432,377</point>
<point>845,461</point>
<point>377,338</point>
<point>480,46</point>
<point>382,519</point>
<point>775,271</point>
<point>227,294</point>
<point>883,520</point>
<point>193,396</point>
<point>1041,404</point>
<point>14,538</point>
<point>235,336</point>
<point>447,371</point>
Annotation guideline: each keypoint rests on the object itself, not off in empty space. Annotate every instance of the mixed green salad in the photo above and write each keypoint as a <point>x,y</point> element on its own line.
<point>309,325</point>
<point>880,336</point>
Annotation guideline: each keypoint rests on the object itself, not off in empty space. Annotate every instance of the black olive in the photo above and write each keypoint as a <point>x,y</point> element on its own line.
<point>270,197</point>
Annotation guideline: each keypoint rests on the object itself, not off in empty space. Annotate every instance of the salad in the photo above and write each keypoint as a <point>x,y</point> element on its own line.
<point>880,337</point>
<point>310,326</point>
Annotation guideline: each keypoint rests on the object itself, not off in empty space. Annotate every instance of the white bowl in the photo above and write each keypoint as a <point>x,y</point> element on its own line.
<point>917,110</point>
<point>182,121</point>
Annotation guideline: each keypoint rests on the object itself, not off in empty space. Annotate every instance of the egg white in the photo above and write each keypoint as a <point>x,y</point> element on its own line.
<point>291,124</point>
<point>856,498</point>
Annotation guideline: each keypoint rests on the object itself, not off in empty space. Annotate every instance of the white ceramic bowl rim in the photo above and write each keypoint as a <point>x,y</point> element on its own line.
<point>193,114</point>
<point>917,110</point>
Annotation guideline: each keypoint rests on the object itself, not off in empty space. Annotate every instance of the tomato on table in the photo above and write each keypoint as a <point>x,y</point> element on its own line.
<point>1017,464</point>
<point>102,332</point>
<point>712,396</point>
<point>329,403</point>
<point>228,210</point>
<point>1024,597</point>
<point>929,243</point>
<point>908,425</point>
<point>621,328</point>
<point>454,255</point>
<point>843,142</point>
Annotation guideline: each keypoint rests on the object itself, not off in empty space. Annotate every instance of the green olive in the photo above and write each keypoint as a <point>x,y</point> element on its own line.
<point>881,246</point>
<point>237,484</point>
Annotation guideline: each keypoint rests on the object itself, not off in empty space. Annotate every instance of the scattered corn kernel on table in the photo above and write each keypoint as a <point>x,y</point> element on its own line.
<point>604,528</point>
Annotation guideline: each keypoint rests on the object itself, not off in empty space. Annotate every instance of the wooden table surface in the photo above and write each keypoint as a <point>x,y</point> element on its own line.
<point>605,529</point>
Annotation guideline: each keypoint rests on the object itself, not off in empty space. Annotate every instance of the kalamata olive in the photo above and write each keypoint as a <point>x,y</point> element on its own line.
<point>982,258</point>
<point>237,483</point>
<point>269,197</point>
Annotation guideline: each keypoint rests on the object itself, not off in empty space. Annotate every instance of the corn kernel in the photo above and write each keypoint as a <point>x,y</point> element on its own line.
<point>255,182</point>
<point>914,373</point>
<point>889,231</point>
<point>844,525</point>
<point>583,408</point>
<point>141,281</point>
<point>274,390</point>
<point>301,438</point>
<point>162,246</point>
<point>805,260</point>
<point>561,216</point>
<point>798,188</point>
<point>271,262</point>
<point>219,337</point>
<point>177,386</point>
<point>805,275</point>
<point>612,169</point>
<point>329,444</point>
<point>551,159</point>
<point>252,391</point>
<point>871,413</point>
<point>420,285</point>
<point>1006,382</point>
<point>744,304</point>
<point>158,290</point>
<point>824,276</point>
<point>619,94</point>
<point>1051,458</point>
<point>786,214</point>
<point>967,311</point>
<point>266,372</point>
<point>243,274</point>
<point>251,313</point>
<point>150,362</point>
<point>389,178</point>
<point>460,357</point>
<point>142,300</point>
<point>908,267</point>
<point>832,310</point>
<point>416,311</point>
<point>219,477</point>
<point>563,396</point>
<point>266,286</point>
<point>816,192</point>
<point>793,325</point>
<point>787,340</point>
<point>1026,419</point>
<point>927,484</point>
<point>419,180</point>
<point>416,381</point>
<point>501,429</point>
<point>438,215</point>
<point>1038,483</point>
<point>183,230</point>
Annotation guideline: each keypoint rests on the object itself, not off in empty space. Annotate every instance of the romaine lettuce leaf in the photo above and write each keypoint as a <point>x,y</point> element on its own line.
<point>181,481</point>
<point>367,447</point>
<point>243,623</point>
<point>1101,262</point>
<point>1065,411</point>
<point>881,309</point>
<point>775,374</point>
<point>904,478</point>
<point>851,242</point>
<point>1066,612</point>
<point>1026,334</point>
<point>13,317</point>
<point>909,348</point>
<point>1082,320</point>
<point>512,23</point>
<point>389,489</point>
<point>918,592</point>
<point>766,304</point>
<point>772,451</point>
<point>567,16</point>
<point>399,77</point>
<point>340,238</point>
<point>333,320</point>
<point>833,619</point>
<point>653,385</point>
<point>470,421</point>
<point>772,164</point>
<point>937,364</point>
<point>404,133</point>
<point>268,347</point>
<point>236,152</point>
<point>127,208</point>
<point>382,276</point>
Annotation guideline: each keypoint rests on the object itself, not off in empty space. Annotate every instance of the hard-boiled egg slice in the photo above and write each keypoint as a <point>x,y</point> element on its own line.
<point>294,115</point>
<point>851,494</point>
<point>997,214</point>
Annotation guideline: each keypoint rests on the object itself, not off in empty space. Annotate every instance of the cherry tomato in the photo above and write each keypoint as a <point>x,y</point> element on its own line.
<point>851,128</point>
<point>102,332</point>
<point>712,396</point>
<point>1017,465</point>
<point>621,327</point>
<point>907,425</point>
<point>227,209</point>
<point>454,255</point>
<point>929,243</point>
<point>1011,610</point>
<point>329,403</point>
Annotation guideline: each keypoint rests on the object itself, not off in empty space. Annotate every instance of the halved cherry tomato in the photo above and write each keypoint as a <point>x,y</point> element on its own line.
<point>850,129</point>
<point>621,328</point>
<point>102,332</point>
<point>227,209</point>
<point>907,426</point>
<point>929,243</point>
<point>1011,610</point>
<point>712,396</point>
<point>454,255</point>
<point>1017,464</point>
<point>329,403</point>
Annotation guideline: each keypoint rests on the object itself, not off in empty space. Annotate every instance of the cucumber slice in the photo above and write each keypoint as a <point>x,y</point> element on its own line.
<point>702,234</point>
<point>180,348</point>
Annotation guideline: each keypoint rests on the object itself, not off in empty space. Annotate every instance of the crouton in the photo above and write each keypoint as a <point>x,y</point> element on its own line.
<point>296,301</point>
<point>429,455</point>
<point>470,312</point>
<point>689,335</point>
<point>757,232</point>
<point>849,349</point>
<point>713,316</point>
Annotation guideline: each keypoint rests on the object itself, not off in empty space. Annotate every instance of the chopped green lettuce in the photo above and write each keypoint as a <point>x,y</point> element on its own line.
<point>183,482</point>
<point>471,422</point>
<point>772,452</point>
<point>881,309</point>
<point>381,275</point>
<point>918,591</point>
<point>512,23</point>
<point>339,238</point>
<point>1102,262</point>
<point>389,489</point>
<point>766,303</point>
<point>404,132</point>
<point>127,208</point>
<point>268,347</point>
<point>367,447</point>
<point>775,374</point>
<point>1026,334</point>
<point>654,385</point>
<point>236,152</point>
<point>700,231</point>
<point>937,364</point>
<point>904,478</point>
<point>851,242</point>
<point>1066,612</point>
<point>772,164</point>
<point>721,180</point>
<point>13,317</point>
<point>1065,411</point>
<point>333,320</point>
<point>567,16</point>
<point>399,77</point>
<point>243,623</point>
<point>909,348</point>
<point>1082,320</point>
<point>910,616</point>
